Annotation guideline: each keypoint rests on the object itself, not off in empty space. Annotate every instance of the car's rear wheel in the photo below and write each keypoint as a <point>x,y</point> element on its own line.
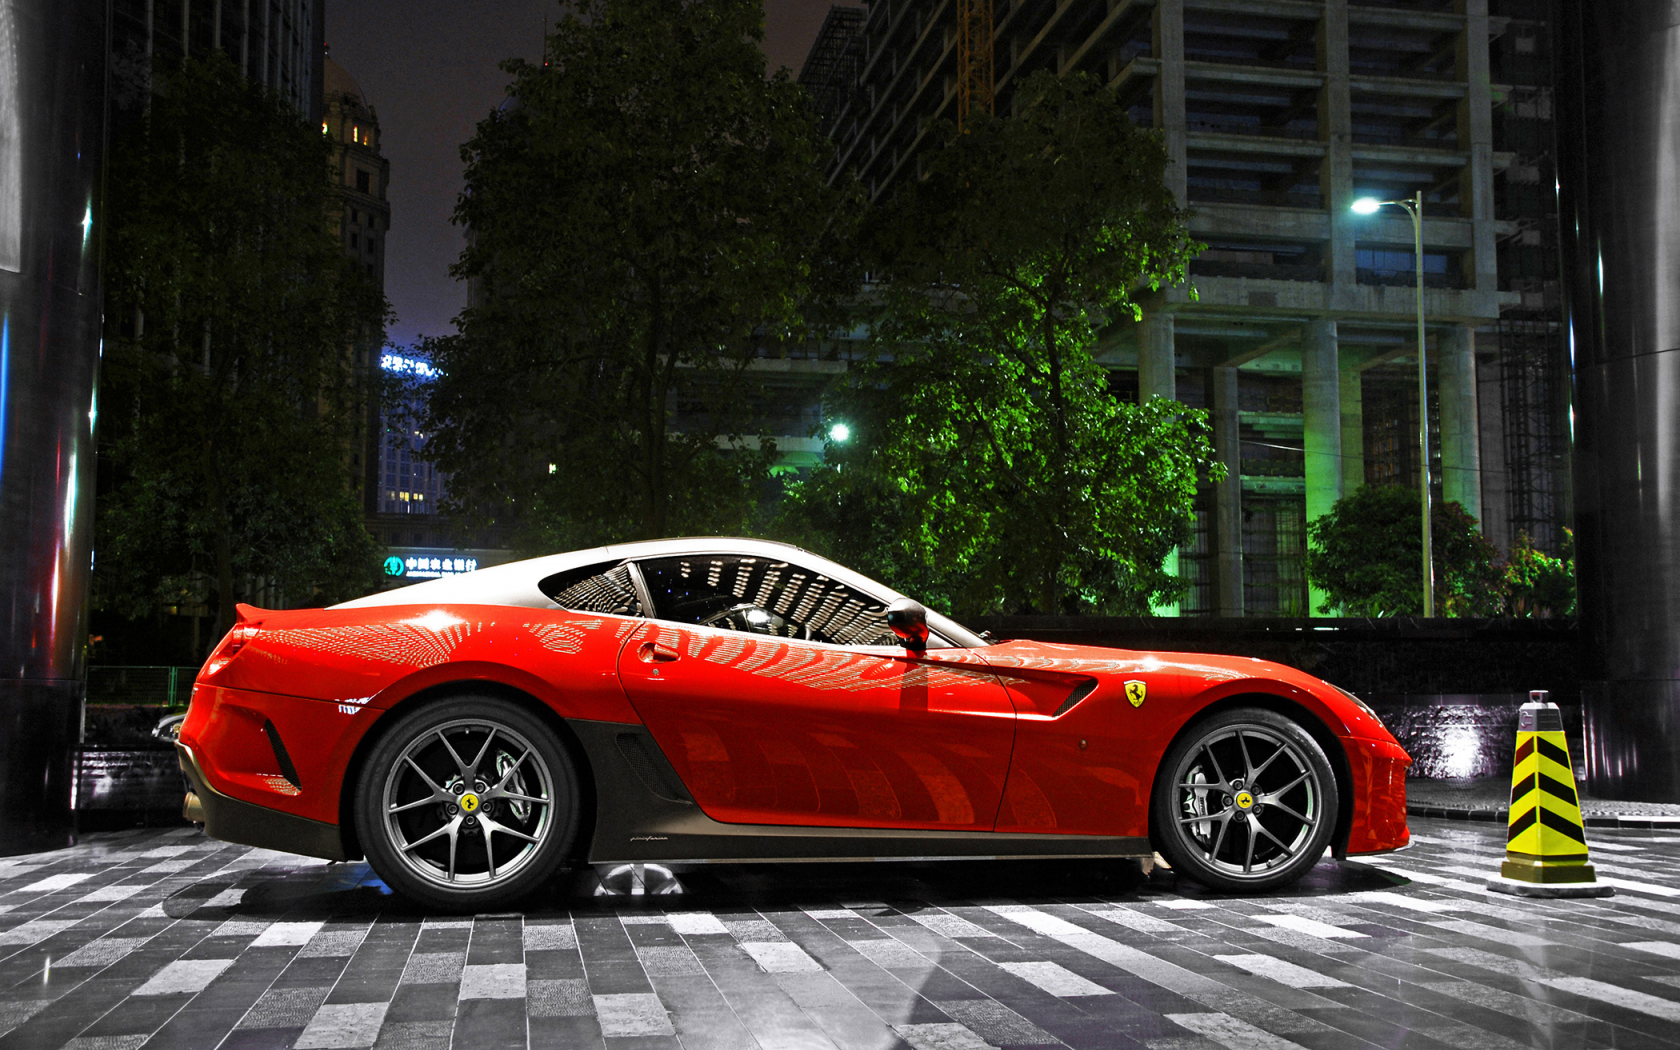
<point>1247,801</point>
<point>467,803</point>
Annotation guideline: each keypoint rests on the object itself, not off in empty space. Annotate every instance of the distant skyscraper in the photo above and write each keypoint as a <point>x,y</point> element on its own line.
<point>277,43</point>
<point>364,220</point>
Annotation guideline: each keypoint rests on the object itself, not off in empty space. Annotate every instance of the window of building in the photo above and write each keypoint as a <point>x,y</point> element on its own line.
<point>352,240</point>
<point>362,182</point>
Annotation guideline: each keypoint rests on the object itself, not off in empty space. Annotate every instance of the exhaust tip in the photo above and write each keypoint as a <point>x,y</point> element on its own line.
<point>192,809</point>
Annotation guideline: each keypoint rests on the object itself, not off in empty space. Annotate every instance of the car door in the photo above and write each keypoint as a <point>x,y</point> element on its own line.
<point>776,696</point>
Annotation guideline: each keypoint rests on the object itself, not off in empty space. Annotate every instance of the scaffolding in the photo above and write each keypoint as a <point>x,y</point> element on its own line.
<point>830,73</point>
<point>975,83</point>
<point>1531,385</point>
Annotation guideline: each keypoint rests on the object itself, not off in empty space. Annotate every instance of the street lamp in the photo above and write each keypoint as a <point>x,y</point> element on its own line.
<point>1414,208</point>
<point>839,433</point>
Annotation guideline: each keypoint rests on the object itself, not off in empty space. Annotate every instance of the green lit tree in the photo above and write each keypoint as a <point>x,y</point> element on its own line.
<point>991,466</point>
<point>1537,584</point>
<point>646,212</point>
<point>1366,557</point>
<point>228,400</point>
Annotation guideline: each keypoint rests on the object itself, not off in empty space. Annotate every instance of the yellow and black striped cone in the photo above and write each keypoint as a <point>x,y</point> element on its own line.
<point>1546,850</point>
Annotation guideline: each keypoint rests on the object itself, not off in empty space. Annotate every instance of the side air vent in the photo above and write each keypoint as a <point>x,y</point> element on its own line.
<point>656,773</point>
<point>1080,692</point>
<point>287,770</point>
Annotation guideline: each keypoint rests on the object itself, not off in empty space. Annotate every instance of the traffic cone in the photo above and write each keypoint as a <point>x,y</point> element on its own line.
<point>1546,850</point>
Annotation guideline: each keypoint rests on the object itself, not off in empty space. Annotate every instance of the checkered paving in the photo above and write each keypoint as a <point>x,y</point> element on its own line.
<point>167,941</point>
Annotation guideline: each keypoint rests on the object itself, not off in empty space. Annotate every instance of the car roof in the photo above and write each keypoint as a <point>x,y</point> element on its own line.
<point>515,583</point>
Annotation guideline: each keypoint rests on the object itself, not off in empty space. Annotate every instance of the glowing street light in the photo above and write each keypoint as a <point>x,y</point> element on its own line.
<point>1414,208</point>
<point>839,433</point>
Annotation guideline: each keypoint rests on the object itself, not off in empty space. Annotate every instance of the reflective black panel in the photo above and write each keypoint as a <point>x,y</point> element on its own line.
<point>52,95</point>
<point>1619,173</point>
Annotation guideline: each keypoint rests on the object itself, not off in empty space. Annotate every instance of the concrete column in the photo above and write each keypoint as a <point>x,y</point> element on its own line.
<point>1321,404</point>
<point>1227,446</point>
<point>1156,357</point>
<point>1353,421</point>
<point>1475,139</point>
<point>1335,129</point>
<point>1455,383</point>
<point>1168,42</point>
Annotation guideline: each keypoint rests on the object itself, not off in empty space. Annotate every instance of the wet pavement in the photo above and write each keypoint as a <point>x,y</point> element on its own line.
<point>162,939</point>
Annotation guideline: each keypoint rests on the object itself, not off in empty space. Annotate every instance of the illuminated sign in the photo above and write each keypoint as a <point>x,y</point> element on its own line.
<point>412,365</point>
<point>429,567</point>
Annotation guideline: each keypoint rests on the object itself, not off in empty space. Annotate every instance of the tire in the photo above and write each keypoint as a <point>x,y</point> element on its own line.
<point>1245,801</point>
<point>437,846</point>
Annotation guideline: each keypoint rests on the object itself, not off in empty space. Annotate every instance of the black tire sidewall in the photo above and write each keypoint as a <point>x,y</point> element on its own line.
<point>370,822</point>
<point>1171,842</point>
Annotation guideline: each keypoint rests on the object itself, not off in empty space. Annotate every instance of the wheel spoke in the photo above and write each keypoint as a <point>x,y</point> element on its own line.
<point>1248,860</point>
<point>493,794</point>
<point>489,847</point>
<point>1219,840</point>
<point>1208,747</point>
<point>1300,817</point>
<point>454,840</point>
<point>447,829</point>
<point>1271,796</point>
<point>1206,785</point>
<point>511,770</point>
<point>481,753</point>
<point>437,789</point>
<point>1287,852</point>
<point>1248,763</point>
<point>404,808</point>
<point>1269,760</point>
<point>504,829</point>
<point>1223,817</point>
<point>460,765</point>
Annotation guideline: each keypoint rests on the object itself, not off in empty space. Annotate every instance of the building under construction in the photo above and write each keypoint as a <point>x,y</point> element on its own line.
<point>1301,338</point>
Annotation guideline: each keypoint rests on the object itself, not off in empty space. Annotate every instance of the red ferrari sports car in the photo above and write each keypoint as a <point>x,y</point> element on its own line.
<point>700,700</point>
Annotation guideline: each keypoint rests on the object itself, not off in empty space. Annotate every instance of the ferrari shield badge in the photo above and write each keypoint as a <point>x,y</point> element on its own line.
<point>1136,691</point>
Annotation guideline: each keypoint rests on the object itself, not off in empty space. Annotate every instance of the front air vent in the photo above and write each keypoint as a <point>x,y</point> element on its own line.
<point>656,774</point>
<point>1080,692</point>
<point>287,770</point>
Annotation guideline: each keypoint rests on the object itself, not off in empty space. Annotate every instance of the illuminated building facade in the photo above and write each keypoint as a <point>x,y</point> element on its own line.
<point>1300,341</point>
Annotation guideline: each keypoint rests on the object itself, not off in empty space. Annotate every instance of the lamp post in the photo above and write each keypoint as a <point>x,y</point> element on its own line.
<point>1414,208</point>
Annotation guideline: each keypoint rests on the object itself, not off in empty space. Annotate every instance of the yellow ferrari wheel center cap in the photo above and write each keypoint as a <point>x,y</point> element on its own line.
<point>469,803</point>
<point>1245,800</point>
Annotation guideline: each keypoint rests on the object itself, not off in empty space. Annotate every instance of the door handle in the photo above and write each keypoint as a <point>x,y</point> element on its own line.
<point>654,653</point>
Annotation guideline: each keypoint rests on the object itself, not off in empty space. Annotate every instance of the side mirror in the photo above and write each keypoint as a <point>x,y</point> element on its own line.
<point>908,620</point>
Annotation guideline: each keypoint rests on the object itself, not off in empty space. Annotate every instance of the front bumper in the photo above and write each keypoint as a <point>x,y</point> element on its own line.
<point>231,820</point>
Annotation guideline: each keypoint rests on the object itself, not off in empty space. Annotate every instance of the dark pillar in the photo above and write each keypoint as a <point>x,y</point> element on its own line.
<point>52,138</point>
<point>1618,125</point>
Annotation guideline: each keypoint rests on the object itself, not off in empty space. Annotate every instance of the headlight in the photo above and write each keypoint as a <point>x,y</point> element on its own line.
<point>1363,706</point>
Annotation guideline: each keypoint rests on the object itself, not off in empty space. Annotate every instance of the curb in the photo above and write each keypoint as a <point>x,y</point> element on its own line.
<point>1500,816</point>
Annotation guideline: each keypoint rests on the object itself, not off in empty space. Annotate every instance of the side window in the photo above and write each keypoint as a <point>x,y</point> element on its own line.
<point>594,588</point>
<point>762,596</point>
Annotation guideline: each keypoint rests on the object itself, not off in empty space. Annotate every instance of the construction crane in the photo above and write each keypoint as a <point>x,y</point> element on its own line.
<point>974,58</point>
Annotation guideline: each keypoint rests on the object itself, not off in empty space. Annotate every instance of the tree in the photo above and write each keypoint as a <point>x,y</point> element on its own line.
<point>1537,584</point>
<point>992,464</point>
<point>1366,557</point>
<point>646,212</point>
<point>227,391</point>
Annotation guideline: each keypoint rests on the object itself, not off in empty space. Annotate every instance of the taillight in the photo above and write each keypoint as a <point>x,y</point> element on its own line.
<point>225,652</point>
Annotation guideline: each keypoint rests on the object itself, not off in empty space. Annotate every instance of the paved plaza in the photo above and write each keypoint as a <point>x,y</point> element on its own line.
<point>163,939</point>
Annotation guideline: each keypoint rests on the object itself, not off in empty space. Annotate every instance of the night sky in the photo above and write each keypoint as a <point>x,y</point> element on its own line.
<point>429,68</point>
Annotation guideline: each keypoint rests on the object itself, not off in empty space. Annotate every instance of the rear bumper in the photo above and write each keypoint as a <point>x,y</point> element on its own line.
<point>231,820</point>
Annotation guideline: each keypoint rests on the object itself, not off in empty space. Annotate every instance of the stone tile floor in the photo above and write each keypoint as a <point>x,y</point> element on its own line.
<point>165,940</point>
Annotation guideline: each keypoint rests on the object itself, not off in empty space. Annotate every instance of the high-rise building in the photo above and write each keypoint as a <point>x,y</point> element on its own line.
<point>364,220</point>
<point>276,43</point>
<point>1301,338</point>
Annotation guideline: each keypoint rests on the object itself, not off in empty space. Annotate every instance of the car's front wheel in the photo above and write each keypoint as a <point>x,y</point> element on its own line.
<point>467,803</point>
<point>1247,801</point>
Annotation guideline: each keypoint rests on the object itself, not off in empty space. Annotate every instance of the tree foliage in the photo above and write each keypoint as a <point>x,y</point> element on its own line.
<point>645,212</point>
<point>1366,557</point>
<point>1537,584</point>
<point>227,390</point>
<point>992,465</point>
